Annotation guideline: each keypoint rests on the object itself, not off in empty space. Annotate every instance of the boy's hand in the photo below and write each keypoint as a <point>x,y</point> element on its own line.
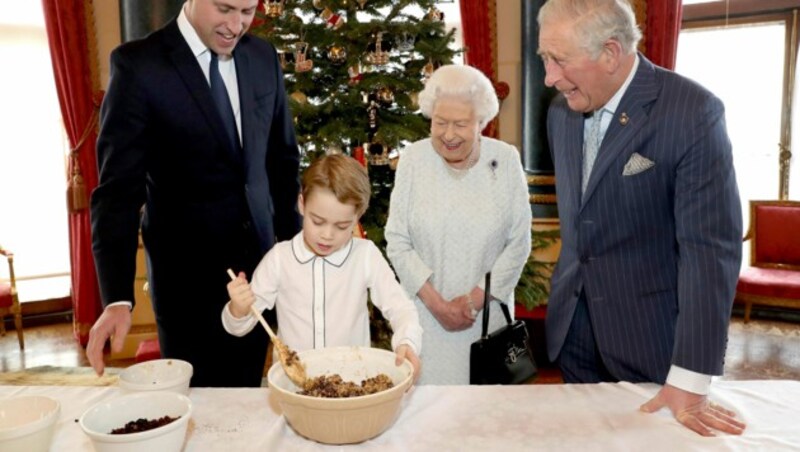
<point>405,352</point>
<point>242,297</point>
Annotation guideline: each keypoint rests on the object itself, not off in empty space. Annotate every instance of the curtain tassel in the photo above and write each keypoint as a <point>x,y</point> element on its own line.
<point>77,198</point>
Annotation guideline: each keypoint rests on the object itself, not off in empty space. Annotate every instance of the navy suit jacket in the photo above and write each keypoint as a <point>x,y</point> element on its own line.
<point>165,163</point>
<point>162,145</point>
<point>657,253</point>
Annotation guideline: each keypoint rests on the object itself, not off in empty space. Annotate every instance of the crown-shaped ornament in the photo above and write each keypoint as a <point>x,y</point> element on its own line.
<point>377,152</point>
<point>274,8</point>
<point>404,42</point>
<point>378,56</point>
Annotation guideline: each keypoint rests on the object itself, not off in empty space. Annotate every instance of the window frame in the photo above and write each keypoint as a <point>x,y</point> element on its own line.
<point>719,14</point>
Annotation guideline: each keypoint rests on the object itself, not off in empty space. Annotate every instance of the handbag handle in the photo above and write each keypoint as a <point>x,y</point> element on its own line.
<point>487,298</point>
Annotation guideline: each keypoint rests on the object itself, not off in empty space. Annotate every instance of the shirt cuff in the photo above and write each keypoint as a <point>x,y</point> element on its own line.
<point>410,344</point>
<point>688,380</point>
<point>120,303</point>
<point>234,326</point>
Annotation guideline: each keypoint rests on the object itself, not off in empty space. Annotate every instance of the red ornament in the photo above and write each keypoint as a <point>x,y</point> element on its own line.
<point>501,89</point>
<point>358,154</point>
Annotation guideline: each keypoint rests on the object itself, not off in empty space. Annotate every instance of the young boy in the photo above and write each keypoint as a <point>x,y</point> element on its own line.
<point>318,281</point>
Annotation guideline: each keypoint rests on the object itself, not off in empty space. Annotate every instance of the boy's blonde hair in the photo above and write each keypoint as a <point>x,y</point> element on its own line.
<point>343,176</point>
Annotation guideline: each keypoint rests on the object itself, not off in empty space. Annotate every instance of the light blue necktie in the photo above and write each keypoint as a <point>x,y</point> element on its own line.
<point>591,144</point>
<point>223,102</point>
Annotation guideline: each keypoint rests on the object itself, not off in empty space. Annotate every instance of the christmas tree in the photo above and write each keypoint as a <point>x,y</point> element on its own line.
<point>353,70</point>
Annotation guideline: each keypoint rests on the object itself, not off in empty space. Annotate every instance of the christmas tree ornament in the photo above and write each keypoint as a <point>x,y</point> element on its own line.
<point>358,154</point>
<point>372,117</point>
<point>378,153</point>
<point>435,14</point>
<point>427,71</point>
<point>404,42</point>
<point>274,8</point>
<point>385,95</point>
<point>299,97</point>
<point>317,4</point>
<point>282,58</point>
<point>361,3</point>
<point>377,55</point>
<point>301,63</point>
<point>354,72</point>
<point>414,98</point>
<point>332,20</point>
<point>337,54</point>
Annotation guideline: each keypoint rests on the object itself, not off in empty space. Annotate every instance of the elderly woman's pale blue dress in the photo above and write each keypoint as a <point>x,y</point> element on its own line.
<point>450,227</point>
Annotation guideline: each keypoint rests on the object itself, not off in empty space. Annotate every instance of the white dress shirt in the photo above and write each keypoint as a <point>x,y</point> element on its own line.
<point>227,67</point>
<point>322,301</point>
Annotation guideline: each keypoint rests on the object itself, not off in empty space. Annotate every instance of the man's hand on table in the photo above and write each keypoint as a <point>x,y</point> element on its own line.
<point>695,411</point>
<point>114,321</point>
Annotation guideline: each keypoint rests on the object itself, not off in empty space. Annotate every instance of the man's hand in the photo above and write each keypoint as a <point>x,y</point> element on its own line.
<point>695,411</point>
<point>114,321</point>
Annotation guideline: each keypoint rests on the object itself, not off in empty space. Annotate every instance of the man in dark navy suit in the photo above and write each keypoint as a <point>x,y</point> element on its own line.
<point>197,147</point>
<point>649,210</point>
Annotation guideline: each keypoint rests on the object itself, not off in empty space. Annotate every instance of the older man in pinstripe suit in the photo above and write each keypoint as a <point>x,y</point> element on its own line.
<point>650,216</point>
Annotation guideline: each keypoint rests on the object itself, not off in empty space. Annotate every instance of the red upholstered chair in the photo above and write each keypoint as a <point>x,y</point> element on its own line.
<point>773,277</point>
<point>147,350</point>
<point>9,300</point>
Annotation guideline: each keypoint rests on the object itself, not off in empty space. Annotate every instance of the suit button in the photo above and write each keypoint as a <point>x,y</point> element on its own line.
<point>584,259</point>
<point>577,293</point>
<point>246,225</point>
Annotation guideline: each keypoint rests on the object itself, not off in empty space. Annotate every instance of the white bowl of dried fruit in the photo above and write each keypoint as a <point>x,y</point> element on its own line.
<point>140,421</point>
<point>368,387</point>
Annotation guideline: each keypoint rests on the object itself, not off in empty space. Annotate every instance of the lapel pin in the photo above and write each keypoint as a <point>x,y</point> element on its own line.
<point>623,119</point>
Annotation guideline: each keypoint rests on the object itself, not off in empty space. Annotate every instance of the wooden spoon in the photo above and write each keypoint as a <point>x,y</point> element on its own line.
<point>294,368</point>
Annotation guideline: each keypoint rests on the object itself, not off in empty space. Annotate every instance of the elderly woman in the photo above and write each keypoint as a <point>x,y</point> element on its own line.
<point>459,209</point>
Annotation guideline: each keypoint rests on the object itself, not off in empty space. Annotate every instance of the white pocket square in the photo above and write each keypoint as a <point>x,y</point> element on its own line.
<point>637,164</point>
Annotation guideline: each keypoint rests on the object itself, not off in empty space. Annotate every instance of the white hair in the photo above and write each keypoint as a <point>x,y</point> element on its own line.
<point>463,82</point>
<point>595,21</point>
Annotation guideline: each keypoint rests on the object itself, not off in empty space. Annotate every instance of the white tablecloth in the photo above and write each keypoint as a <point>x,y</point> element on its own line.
<point>598,417</point>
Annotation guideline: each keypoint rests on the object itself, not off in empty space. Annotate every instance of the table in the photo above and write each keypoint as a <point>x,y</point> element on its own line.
<point>592,417</point>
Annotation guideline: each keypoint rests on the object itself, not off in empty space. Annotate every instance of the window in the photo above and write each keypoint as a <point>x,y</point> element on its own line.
<point>33,149</point>
<point>751,93</point>
<point>741,51</point>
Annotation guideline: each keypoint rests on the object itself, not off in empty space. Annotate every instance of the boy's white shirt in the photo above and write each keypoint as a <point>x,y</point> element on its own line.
<point>322,301</point>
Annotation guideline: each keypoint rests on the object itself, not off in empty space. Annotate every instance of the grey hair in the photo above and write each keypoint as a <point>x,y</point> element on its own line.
<point>595,22</point>
<point>463,82</point>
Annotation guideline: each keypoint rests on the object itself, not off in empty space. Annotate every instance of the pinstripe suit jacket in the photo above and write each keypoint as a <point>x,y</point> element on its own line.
<point>657,253</point>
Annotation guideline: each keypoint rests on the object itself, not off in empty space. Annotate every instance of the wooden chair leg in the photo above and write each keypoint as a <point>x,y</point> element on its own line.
<point>747,307</point>
<point>18,326</point>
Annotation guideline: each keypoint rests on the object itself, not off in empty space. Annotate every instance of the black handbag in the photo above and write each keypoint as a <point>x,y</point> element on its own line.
<point>504,356</point>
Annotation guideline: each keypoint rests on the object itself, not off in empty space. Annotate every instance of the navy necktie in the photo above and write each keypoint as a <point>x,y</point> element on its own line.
<point>223,102</point>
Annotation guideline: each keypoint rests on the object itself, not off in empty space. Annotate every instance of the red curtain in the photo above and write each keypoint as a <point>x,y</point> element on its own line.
<point>662,27</point>
<point>71,53</point>
<point>479,28</point>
